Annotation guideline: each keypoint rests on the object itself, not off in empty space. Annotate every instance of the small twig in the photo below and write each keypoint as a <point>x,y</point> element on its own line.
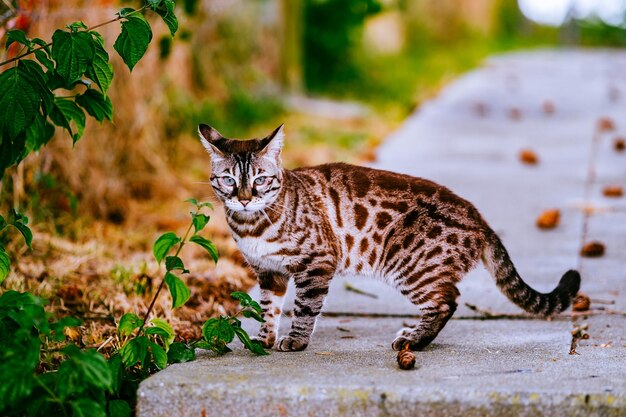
<point>578,333</point>
<point>599,301</point>
<point>477,309</point>
<point>350,287</point>
<point>106,342</point>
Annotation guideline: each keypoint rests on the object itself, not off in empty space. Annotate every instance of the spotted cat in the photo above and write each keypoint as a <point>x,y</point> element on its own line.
<point>311,224</point>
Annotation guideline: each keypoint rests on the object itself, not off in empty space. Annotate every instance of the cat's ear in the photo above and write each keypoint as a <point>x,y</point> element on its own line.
<point>209,137</point>
<point>273,144</point>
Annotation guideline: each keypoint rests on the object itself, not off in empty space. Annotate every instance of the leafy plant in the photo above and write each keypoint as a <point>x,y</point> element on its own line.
<point>86,383</point>
<point>34,94</point>
<point>218,332</point>
<point>19,222</point>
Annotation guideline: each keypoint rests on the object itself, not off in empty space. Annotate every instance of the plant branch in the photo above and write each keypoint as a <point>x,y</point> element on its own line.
<point>40,47</point>
<point>156,295</point>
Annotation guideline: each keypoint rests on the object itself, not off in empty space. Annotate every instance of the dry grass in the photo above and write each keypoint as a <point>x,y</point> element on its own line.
<point>129,179</point>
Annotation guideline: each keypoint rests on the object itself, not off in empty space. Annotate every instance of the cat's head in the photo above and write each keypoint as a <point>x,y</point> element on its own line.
<point>246,175</point>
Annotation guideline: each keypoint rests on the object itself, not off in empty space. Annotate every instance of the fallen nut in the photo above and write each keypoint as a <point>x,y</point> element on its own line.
<point>581,302</point>
<point>528,157</point>
<point>548,107</point>
<point>613,191</point>
<point>619,144</point>
<point>406,358</point>
<point>549,219</point>
<point>592,250</point>
<point>605,124</point>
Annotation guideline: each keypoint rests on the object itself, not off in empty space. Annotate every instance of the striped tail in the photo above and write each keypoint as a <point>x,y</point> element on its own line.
<point>499,264</point>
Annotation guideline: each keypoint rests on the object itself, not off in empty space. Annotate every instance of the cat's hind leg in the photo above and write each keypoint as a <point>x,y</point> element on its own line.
<point>273,288</point>
<point>437,305</point>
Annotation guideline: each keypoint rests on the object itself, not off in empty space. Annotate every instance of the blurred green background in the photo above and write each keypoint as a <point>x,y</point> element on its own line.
<point>341,74</point>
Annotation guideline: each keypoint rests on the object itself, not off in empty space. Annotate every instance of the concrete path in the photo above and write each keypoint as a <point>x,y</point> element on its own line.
<point>468,139</point>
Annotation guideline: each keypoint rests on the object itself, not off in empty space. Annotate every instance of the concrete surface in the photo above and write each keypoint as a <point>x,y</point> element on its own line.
<point>467,140</point>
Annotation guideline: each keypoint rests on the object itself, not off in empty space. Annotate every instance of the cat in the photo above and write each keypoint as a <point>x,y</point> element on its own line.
<point>313,223</point>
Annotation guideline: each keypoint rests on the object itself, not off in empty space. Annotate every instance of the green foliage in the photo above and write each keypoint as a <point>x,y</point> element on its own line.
<point>80,385</point>
<point>332,29</point>
<point>207,245</point>
<point>164,244</point>
<point>179,291</point>
<point>19,222</point>
<point>134,39</point>
<point>218,332</point>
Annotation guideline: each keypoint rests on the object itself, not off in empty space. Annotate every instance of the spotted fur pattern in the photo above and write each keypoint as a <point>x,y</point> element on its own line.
<point>310,224</point>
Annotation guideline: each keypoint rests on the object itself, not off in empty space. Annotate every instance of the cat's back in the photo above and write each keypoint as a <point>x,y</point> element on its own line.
<point>364,195</point>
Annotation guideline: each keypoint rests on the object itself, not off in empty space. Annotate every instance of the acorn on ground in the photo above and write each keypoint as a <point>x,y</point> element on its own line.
<point>406,358</point>
<point>528,157</point>
<point>549,219</point>
<point>593,249</point>
<point>614,191</point>
<point>581,302</point>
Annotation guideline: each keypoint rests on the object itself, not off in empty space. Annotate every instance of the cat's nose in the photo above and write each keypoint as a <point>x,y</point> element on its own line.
<point>244,202</point>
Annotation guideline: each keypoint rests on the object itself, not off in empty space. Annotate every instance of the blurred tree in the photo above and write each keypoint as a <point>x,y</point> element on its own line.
<point>332,28</point>
<point>291,51</point>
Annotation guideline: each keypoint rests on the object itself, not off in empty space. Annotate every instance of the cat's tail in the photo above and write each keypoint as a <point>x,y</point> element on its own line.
<point>499,264</point>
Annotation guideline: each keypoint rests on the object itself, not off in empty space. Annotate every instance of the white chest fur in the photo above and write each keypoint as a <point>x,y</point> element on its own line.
<point>261,253</point>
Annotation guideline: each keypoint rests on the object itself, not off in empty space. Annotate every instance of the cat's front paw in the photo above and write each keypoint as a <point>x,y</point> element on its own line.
<point>267,341</point>
<point>399,343</point>
<point>291,344</point>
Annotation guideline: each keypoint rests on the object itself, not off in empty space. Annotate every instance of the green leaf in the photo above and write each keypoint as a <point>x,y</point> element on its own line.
<point>117,373</point>
<point>100,70</point>
<point>165,326</point>
<point>166,11</point>
<point>96,104</point>
<point>20,221</point>
<point>134,39</point>
<point>74,26</point>
<point>242,297</point>
<point>18,384</point>
<point>18,36</point>
<point>199,221</point>
<point>73,53</point>
<point>174,262</point>
<point>159,355</point>
<point>207,245</point>
<point>199,205</point>
<point>180,352</point>
<point>44,59</point>
<point>39,78</point>
<point>85,407</point>
<point>134,351</point>
<point>218,332</point>
<point>5,265</point>
<point>253,314</point>
<point>82,371</point>
<point>64,112</point>
<point>178,289</point>
<point>3,223</point>
<point>252,345</point>
<point>19,101</point>
<point>163,245</point>
<point>119,408</point>
<point>38,133</point>
<point>128,323</point>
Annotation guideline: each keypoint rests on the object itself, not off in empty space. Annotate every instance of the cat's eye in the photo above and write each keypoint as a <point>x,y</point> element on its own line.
<point>260,180</point>
<point>228,181</point>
